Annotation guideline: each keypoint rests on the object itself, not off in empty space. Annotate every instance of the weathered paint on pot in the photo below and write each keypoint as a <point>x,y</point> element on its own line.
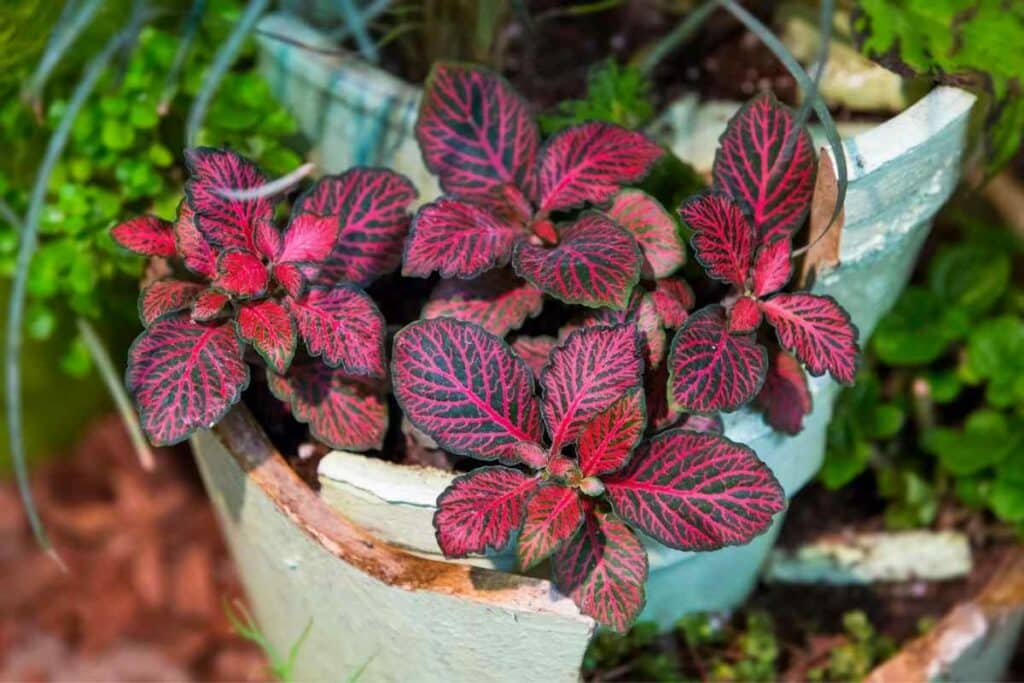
<point>370,605</point>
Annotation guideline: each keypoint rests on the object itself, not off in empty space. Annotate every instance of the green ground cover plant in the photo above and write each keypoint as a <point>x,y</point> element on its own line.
<point>936,412</point>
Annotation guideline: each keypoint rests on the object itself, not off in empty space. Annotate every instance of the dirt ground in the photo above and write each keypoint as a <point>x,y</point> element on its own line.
<point>148,573</point>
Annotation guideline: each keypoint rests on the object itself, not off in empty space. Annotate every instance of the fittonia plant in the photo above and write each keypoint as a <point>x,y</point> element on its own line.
<point>580,494</point>
<point>623,437</point>
<point>239,282</point>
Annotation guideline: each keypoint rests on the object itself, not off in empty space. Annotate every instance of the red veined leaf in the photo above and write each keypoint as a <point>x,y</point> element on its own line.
<point>535,351</point>
<point>672,299</point>
<point>241,274</point>
<point>591,370</point>
<point>146,235</point>
<point>269,327</point>
<point>197,253</point>
<point>785,397</point>
<point>267,241</point>
<point>184,376</point>
<point>693,491</point>
<point>463,387</point>
<point>476,132</point>
<point>590,162</point>
<point>481,510</point>
<point>711,424</point>
<point>817,330</point>
<point>553,514</point>
<point>609,439</point>
<point>768,163</point>
<point>224,222</point>
<point>723,240</point>
<point>603,568</point>
<point>343,326</point>
<point>744,316</point>
<point>208,305</point>
<point>341,411</point>
<point>458,239</point>
<point>308,239</point>
<point>166,296</point>
<point>654,230</point>
<point>371,206</point>
<point>595,263</point>
<point>290,277</point>
<point>711,370</point>
<point>772,267</point>
<point>495,301</point>
<point>642,314</point>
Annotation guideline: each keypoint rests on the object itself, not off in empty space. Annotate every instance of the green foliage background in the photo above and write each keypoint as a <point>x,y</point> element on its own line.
<point>937,414</point>
<point>123,159</point>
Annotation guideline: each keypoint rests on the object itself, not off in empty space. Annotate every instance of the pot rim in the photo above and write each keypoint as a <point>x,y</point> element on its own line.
<point>263,466</point>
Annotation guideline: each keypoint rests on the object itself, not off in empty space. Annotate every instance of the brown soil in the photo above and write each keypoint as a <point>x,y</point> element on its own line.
<point>147,577</point>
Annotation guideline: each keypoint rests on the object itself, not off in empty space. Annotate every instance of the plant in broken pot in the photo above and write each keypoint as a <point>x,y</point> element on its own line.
<point>623,437</point>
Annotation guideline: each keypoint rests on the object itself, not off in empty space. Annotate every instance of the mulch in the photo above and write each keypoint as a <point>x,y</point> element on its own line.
<point>148,573</point>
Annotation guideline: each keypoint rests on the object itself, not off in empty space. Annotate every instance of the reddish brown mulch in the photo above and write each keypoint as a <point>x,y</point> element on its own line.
<point>148,573</point>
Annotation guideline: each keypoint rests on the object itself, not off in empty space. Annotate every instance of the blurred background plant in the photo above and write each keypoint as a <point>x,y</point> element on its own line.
<point>123,158</point>
<point>936,415</point>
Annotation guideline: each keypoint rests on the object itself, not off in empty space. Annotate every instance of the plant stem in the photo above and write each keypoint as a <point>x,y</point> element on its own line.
<point>9,215</point>
<point>755,26</point>
<point>357,24</point>
<point>112,379</point>
<point>679,35</point>
<point>188,35</point>
<point>221,63</point>
<point>67,29</point>
<point>16,306</point>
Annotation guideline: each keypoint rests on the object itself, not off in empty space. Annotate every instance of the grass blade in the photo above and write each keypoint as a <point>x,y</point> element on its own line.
<point>112,379</point>
<point>223,60</point>
<point>64,34</point>
<point>360,32</point>
<point>188,35</point>
<point>800,75</point>
<point>679,35</point>
<point>26,249</point>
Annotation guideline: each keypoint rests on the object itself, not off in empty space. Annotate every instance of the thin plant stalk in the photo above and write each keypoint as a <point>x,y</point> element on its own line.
<point>67,29</point>
<point>140,14</point>
<point>679,35</point>
<point>821,58</point>
<point>369,14</point>
<point>188,35</point>
<point>755,26</point>
<point>112,379</point>
<point>16,305</point>
<point>10,216</point>
<point>357,23</point>
<point>221,63</point>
